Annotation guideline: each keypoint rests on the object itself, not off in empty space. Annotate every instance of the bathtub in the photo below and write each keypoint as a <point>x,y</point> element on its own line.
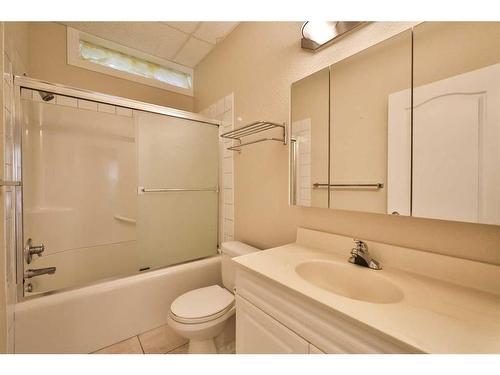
<point>86,319</point>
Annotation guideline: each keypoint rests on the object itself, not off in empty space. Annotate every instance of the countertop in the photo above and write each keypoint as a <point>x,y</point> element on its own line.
<point>434,316</point>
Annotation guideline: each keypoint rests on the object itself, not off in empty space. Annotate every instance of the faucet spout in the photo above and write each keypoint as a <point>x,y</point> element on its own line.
<point>361,256</point>
<point>39,271</point>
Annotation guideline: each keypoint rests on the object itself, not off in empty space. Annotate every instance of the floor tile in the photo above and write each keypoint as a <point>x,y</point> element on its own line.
<point>180,350</point>
<point>161,340</point>
<point>129,346</point>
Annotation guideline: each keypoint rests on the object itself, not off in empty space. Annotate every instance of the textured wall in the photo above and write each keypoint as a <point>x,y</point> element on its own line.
<point>258,62</point>
<point>48,53</point>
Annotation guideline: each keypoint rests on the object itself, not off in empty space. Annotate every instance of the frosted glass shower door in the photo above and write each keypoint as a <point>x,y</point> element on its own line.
<point>174,226</point>
<point>79,190</point>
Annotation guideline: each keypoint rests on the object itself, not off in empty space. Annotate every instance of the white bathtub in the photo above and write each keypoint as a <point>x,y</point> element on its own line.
<point>86,319</point>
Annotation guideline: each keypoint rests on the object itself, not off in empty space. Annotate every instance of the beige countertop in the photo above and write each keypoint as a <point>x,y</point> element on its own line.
<point>434,316</point>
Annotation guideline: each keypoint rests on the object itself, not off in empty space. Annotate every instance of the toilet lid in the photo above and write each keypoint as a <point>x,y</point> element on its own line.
<point>202,304</point>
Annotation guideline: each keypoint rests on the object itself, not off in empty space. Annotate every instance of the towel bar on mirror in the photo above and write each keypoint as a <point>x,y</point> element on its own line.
<point>375,185</point>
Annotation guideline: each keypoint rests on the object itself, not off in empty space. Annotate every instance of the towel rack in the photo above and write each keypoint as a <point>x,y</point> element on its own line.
<point>10,183</point>
<point>376,185</point>
<point>251,129</point>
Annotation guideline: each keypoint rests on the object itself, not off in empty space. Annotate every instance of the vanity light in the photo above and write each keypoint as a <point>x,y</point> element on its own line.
<point>316,34</point>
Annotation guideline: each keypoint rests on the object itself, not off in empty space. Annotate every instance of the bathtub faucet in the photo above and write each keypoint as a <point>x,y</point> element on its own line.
<point>40,271</point>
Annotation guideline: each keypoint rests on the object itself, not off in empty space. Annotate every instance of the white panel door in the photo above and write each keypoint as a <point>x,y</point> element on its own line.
<point>456,149</point>
<point>259,333</point>
<point>445,157</point>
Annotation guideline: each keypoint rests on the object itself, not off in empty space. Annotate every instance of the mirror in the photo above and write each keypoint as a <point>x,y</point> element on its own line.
<point>362,87</point>
<point>414,127</point>
<point>309,139</point>
<point>456,122</point>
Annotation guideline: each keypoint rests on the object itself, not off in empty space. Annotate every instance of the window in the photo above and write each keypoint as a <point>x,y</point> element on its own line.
<point>93,53</point>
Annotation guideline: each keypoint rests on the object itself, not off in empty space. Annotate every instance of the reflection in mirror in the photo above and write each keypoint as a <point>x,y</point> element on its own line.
<point>456,131</point>
<point>309,139</point>
<point>362,91</point>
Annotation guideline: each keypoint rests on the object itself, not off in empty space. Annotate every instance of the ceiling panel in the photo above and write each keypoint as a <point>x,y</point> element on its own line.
<point>187,27</point>
<point>213,32</point>
<point>193,52</point>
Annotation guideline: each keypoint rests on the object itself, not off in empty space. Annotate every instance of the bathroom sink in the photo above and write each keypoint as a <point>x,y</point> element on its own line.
<point>350,281</point>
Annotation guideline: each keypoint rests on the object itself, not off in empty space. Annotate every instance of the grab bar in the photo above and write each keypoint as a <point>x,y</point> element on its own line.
<point>376,185</point>
<point>142,190</point>
<point>125,219</point>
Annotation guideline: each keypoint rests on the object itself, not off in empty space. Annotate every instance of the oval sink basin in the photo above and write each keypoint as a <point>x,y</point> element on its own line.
<point>349,281</point>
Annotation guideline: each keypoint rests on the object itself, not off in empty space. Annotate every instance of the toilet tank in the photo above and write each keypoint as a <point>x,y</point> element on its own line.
<point>230,250</point>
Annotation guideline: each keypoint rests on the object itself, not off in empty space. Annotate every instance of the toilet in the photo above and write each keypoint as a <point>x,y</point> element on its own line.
<point>201,314</point>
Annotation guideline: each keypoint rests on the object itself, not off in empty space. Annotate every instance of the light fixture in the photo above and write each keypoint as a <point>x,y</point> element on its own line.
<point>316,34</point>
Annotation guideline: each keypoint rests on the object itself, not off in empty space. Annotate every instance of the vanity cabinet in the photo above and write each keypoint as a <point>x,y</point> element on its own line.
<point>259,333</point>
<point>273,319</point>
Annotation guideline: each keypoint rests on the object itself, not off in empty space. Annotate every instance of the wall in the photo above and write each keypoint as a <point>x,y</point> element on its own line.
<point>222,110</point>
<point>47,48</point>
<point>259,62</point>
<point>14,55</point>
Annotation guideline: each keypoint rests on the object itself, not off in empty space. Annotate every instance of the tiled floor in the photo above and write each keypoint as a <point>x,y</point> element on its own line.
<point>157,341</point>
<point>160,340</point>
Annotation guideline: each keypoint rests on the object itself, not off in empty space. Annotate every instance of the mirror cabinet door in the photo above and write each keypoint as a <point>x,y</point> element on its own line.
<point>456,121</point>
<point>365,88</point>
<point>309,139</point>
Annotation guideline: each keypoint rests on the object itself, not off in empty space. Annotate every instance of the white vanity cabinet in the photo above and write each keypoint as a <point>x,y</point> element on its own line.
<point>259,333</point>
<point>273,319</point>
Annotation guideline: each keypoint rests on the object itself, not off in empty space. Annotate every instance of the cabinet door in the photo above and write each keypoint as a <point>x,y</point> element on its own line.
<point>259,333</point>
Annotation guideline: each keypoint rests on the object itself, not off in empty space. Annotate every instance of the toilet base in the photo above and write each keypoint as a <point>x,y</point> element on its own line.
<point>202,347</point>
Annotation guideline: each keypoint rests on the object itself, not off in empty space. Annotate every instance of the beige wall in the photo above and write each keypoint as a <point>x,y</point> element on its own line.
<point>259,61</point>
<point>47,50</point>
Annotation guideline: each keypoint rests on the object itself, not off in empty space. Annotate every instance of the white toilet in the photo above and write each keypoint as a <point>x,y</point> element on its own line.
<point>201,314</point>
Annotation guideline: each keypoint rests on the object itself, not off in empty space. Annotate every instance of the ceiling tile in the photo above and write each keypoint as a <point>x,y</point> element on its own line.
<point>193,52</point>
<point>187,27</point>
<point>213,32</point>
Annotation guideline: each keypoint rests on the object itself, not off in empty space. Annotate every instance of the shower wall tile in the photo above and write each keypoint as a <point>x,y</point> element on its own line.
<point>120,111</point>
<point>222,110</point>
<point>66,101</point>
<point>106,108</point>
<point>87,104</point>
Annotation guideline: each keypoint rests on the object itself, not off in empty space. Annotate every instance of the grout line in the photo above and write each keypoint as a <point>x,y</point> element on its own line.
<point>140,343</point>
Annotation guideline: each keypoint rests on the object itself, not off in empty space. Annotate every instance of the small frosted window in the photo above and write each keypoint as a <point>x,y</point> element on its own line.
<point>130,64</point>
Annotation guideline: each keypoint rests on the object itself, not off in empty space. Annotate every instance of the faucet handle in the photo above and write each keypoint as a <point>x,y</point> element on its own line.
<point>361,246</point>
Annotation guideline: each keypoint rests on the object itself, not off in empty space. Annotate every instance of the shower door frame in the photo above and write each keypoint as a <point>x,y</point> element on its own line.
<point>21,82</point>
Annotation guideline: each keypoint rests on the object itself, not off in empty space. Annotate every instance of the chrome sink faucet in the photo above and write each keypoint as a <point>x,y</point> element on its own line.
<point>361,256</point>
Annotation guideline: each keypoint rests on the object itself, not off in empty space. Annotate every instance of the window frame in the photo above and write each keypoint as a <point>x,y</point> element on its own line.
<point>73,58</point>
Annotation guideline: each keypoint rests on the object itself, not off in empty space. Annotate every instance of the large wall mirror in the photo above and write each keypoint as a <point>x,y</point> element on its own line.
<point>414,126</point>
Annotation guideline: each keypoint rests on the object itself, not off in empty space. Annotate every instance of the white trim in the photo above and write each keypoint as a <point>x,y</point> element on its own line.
<point>73,58</point>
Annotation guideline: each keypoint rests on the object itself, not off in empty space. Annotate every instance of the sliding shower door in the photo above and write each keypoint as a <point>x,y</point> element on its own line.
<point>111,191</point>
<point>178,190</point>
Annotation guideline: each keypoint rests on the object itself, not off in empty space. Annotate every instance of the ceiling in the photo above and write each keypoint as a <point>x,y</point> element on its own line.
<point>185,43</point>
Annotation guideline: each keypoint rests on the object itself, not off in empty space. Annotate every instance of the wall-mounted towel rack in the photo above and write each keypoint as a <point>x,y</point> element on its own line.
<point>10,183</point>
<point>375,185</point>
<point>251,129</point>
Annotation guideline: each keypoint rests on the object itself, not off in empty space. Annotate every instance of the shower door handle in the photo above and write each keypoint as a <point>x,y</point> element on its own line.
<point>31,250</point>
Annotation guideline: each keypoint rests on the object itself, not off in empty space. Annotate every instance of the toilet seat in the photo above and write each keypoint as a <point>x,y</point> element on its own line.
<point>201,305</point>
